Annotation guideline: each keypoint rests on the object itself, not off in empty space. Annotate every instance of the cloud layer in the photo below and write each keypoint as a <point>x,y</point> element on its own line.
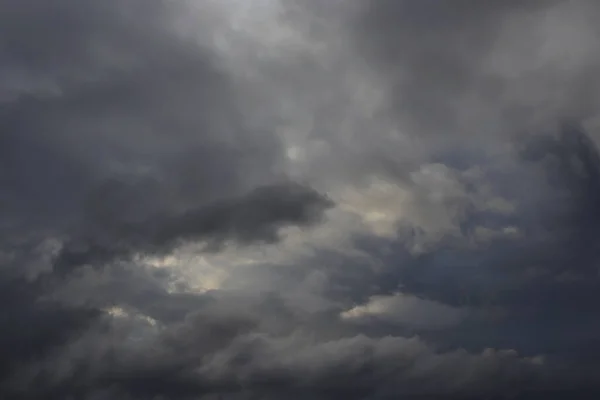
<point>299,199</point>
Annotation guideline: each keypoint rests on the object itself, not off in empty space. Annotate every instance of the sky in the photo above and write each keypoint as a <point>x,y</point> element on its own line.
<point>299,199</point>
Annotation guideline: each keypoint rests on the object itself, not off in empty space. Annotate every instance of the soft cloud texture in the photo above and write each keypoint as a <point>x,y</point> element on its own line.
<point>299,199</point>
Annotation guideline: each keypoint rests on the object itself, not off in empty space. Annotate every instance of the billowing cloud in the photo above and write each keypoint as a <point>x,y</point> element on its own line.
<point>347,199</point>
<point>254,217</point>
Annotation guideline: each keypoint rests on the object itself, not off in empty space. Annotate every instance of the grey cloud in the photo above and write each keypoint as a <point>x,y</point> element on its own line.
<point>34,328</point>
<point>535,279</point>
<point>122,133</point>
<point>146,127</point>
<point>224,349</point>
<point>443,60</point>
<point>166,113</point>
<point>472,82</point>
<point>253,218</point>
<point>406,310</point>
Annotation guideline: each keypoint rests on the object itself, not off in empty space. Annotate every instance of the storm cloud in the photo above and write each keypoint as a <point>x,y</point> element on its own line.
<point>299,199</point>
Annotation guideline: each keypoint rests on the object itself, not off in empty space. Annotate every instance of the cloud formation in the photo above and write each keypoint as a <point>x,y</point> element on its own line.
<point>252,218</point>
<point>299,199</point>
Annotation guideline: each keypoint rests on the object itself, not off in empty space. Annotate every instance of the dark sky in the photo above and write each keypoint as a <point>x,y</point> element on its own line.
<point>299,199</point>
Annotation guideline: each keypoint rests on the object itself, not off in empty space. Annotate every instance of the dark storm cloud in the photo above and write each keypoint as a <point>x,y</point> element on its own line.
<point>470,79</point>
<point>118,134</point>
<point>229,348</point>
<point>132,99</point>
<point>536,291</point>
<point>142,126</point>
<point>431,51</point>
<point>121,135</point>
<point>482,68</point>
<point>32,329</point>
<point>253,218</point>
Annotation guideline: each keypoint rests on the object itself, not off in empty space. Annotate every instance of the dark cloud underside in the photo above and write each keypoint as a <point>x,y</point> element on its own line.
<point>346,200</point>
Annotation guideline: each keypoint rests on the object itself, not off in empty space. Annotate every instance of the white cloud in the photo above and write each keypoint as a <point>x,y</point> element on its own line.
<point>407,310</point>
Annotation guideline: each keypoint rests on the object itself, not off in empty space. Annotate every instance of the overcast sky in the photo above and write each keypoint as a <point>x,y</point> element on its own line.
<point>299,199</point>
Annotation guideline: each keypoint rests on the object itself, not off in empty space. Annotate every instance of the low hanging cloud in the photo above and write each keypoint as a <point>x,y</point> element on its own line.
<point>361,199</point>
<point>253,218</point>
